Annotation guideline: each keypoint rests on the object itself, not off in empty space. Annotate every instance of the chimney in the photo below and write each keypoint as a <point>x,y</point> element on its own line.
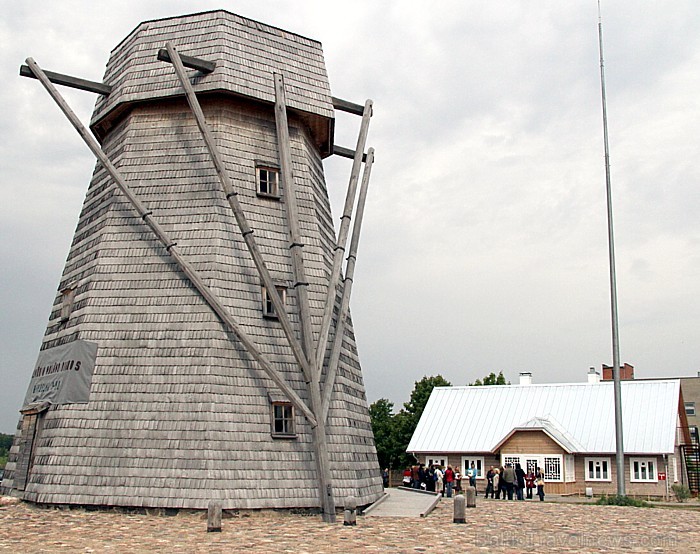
<point>525,378</point>
<point>626,372</point>
<point>593,375</point>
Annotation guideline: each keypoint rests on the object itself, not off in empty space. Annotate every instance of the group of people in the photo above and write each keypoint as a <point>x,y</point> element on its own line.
<point>502,482</point>
<point>433,479</point>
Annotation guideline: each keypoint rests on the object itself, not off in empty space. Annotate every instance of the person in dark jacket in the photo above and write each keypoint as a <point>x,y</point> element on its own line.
<point>520,481</point>
<point>509,479</point>
<point>489,482</point>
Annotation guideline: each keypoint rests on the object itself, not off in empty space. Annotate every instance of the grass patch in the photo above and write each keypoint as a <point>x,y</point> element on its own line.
<point>617,500</point>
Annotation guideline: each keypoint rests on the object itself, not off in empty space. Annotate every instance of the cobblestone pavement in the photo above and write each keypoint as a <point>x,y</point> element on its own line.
<point>492,527</point>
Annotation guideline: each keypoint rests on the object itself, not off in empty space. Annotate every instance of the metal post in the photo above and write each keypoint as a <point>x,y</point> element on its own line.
<point>619,444</point>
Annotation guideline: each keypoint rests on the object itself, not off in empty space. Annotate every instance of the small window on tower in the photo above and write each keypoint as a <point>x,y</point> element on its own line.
<point>267,181</point>
<point>283,420</point>
<point>268,308</point>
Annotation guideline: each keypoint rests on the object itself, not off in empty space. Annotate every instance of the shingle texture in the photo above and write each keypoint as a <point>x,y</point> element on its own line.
<point>246,53</point>
<point>179,412</point>
<point>580,416</point>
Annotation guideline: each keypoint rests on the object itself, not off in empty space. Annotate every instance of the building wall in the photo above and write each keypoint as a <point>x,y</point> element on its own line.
<point>653,489</point>
<point>690,387</point>
<point>531,442</point>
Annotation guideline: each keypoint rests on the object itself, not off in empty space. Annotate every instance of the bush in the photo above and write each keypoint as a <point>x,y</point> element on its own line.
<point>681,491</point>
<point>617,500</point>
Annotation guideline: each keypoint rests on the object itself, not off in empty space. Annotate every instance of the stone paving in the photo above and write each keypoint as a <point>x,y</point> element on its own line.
<point>493,526</point>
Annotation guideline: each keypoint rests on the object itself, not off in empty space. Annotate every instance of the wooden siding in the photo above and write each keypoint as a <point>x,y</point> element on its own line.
<point>179,414</point>
<point>531,442</point>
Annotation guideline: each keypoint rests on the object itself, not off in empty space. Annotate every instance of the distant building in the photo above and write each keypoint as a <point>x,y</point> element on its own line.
<point>566,429</point>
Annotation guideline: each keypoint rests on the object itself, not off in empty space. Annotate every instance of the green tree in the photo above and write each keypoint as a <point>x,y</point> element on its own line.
<point>393,432</point>
<point>491,379</point>
<point>421,392</point>
<point>384,425</point>
<point>5,444</point>
<point>407,419</point>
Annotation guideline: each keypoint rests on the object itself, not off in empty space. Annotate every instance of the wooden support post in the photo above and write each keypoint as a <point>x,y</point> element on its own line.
<point>347,289</point>
<point>342,238</point>
<point>346,153</point>
<point>232,197</point>
<point>171,247</point>
<point>214,516</point>
<point>459,512</point>
<point>199,64</point>
<point>290,203</point>
<point>68,81</point>
<point>345,106</point>
<point>301,287</point>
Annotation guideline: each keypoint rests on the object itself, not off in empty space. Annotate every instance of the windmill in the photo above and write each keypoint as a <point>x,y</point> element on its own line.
<point>203,298</point>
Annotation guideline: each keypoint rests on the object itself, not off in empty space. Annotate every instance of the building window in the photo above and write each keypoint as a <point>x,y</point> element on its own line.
<point>268,309</point>
<point>511,459</point>
<point>694,436</point>
<point>267,181</point>
<point>597,469</point>
<point>643,470</point>
<point>478,464</point>
<point>283,420</point>
<point>552,468</point>
<point>690,408</point>
<point>435,461</point>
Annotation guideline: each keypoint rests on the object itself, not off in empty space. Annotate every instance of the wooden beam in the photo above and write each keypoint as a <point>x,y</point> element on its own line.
<point>347,291</point>
<point>346,153</point>
<point>323,471</point>
<point>349,107</point>
<point>188,61</point>
<point>342,238</point>
<point>146,215</point>
<point>290,204</point>
<point>238,212</point>
<point>68,81</point>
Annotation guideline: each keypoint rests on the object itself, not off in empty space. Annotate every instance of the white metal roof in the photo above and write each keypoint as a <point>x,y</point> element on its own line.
<point>580,416</point>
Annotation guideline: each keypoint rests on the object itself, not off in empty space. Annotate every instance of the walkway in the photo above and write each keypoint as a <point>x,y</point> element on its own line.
<point>403,503</point>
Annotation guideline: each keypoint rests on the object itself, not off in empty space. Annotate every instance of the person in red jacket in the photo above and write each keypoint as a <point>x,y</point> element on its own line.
<point>449,481</point>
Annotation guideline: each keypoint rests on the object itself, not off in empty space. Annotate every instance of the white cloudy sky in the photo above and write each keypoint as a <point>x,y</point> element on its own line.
<point>485,244</point>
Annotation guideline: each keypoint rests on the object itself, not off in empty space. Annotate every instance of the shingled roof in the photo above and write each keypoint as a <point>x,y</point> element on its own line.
<point>246,54</point>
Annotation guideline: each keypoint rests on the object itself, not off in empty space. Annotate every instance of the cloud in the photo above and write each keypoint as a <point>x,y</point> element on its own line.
<point>485,239</point>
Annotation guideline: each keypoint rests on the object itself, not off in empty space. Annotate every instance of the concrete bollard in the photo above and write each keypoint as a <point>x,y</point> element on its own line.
<point>350,516</point>
<point>214,516</point>
<point>459,510</point>
<point>471,497</point>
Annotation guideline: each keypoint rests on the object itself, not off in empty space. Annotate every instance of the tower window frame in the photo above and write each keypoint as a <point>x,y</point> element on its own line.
<point>282,420</point>
<point>268,309</point>
<point>267,181</point>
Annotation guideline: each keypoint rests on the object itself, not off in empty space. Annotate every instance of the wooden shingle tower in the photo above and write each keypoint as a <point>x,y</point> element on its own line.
<point>204,285</point>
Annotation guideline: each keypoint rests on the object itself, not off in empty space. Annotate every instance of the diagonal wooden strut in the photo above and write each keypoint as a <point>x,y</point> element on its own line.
<point>342,239</point>
<point>170,246</point>
<point>232,197</point>
<point>296,246</point>
<point>347,291</point>
<point>301,285</point>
